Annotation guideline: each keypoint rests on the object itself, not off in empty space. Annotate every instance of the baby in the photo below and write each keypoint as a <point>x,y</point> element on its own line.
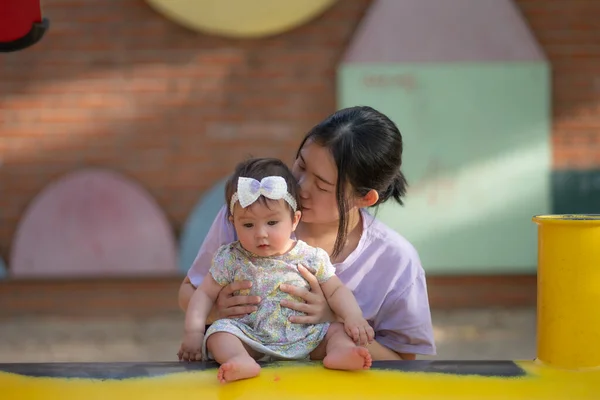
<point>263,198</point>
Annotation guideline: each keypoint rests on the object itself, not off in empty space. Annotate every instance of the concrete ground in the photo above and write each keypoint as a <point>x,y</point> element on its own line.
<point>460,334</point>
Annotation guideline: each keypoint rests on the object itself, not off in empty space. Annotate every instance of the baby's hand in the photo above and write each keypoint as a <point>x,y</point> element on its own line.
<point>359,330</point>
<point>191,347</point>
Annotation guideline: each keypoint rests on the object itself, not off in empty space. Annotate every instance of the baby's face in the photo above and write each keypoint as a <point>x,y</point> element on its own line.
<point>265,229</point>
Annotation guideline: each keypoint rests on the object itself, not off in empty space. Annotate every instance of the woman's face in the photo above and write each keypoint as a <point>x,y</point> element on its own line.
<point>316,173</point>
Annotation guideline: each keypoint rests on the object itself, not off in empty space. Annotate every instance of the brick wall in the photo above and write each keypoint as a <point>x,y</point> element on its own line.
<point>118,86</point>
<point>569,32</point>
<point>152,297</point>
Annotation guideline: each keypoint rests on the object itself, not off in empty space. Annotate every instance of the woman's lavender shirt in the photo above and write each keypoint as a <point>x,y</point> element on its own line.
<point>384,272</point>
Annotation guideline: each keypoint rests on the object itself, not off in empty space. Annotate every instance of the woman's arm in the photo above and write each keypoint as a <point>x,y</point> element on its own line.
<point>342,302</point>
<point>221,232</point>
<point>402,327</point>
<point>318,310</point>
<point>186,291</point>
<point>403,323</point>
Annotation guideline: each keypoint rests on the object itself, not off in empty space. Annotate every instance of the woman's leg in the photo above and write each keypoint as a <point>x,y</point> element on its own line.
<point>237,360</point>
<point>338,351</point>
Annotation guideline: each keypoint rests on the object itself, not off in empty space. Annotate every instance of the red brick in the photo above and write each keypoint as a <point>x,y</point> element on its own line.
<point>144,296</point>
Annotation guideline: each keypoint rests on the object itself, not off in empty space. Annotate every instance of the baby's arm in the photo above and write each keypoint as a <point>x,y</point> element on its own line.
<point>195,318</point>
<point>201,303</point>
<point>344,304</point>
<point>340,299</point>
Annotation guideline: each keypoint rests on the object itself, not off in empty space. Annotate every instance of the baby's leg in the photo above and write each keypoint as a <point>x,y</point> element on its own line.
<point>340,351</point>
<point>236,359</point>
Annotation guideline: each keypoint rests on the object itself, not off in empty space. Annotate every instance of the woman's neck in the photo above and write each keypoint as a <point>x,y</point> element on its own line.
<point>324,235</point>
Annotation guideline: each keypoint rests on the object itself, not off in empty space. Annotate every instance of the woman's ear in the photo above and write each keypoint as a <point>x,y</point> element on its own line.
<point>231,219</point>
<point>368,199</point>
<point>296,220</point>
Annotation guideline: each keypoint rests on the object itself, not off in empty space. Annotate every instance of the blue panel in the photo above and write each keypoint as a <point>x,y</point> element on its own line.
<point>198,224</point>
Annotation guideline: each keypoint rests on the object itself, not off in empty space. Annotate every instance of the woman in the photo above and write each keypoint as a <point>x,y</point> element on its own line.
<point>346,163</point>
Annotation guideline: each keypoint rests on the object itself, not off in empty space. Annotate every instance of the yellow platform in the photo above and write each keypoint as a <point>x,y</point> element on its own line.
<point>298,381</point>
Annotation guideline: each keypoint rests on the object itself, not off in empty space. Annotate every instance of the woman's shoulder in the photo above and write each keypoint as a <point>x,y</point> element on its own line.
<point>222,218</point>
<point>386,247</point>
<point>383,236</point>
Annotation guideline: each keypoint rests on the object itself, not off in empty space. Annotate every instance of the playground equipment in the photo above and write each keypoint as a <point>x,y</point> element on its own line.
<point>569,291</point>
<point>21,24</point>
<point>567,366</point>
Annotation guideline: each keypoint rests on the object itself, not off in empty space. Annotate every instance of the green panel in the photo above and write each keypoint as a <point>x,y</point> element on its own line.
<point>576,192</point>
<point>477,157</point>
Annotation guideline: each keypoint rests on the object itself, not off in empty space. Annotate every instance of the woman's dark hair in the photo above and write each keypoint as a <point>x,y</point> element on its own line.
<point>258,168</point>
<point>367,150</point>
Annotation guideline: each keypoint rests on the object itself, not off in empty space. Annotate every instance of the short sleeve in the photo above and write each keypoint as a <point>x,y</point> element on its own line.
<point>403,323</point>
<point>323,269</point>
<point>221,232</point>
<point>222,265</point>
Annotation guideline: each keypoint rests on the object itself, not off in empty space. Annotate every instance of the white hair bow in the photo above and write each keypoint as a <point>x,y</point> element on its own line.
<point>272,187</point>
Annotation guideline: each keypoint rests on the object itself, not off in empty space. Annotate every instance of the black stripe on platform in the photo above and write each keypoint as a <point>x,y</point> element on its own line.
<point>480,368</point>
<point>104,371</point>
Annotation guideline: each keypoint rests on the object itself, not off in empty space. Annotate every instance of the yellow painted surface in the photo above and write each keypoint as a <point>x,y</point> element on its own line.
<point>295,382</point>
<point>568,291</point>
<point>241,18</point>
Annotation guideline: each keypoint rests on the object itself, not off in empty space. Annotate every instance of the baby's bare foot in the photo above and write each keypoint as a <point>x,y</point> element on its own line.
<point>348,358</point>
<point>238,368</point>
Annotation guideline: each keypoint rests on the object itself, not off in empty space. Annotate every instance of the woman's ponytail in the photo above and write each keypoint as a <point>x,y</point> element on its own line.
<point>396,189</point>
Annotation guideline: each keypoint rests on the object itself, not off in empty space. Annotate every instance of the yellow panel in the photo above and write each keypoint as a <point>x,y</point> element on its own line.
<point>241,18</point>
<point>298,382</point>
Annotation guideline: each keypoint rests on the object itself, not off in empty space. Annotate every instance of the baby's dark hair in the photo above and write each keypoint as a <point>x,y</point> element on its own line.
<point>259,168</point>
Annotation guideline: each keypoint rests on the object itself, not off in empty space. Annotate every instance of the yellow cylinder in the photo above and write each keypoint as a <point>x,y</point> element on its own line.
<point>568,284</point>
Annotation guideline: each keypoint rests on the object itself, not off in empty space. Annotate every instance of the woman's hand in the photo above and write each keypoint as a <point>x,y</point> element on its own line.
<point>316,307</point>
<point>230,306</point>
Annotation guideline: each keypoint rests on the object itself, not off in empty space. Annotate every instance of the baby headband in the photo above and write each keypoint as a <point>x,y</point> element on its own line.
<point>272,187</point>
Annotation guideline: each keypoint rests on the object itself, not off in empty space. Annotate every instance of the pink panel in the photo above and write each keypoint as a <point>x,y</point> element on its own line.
<point>403,31</point>
<point>93,223</point>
